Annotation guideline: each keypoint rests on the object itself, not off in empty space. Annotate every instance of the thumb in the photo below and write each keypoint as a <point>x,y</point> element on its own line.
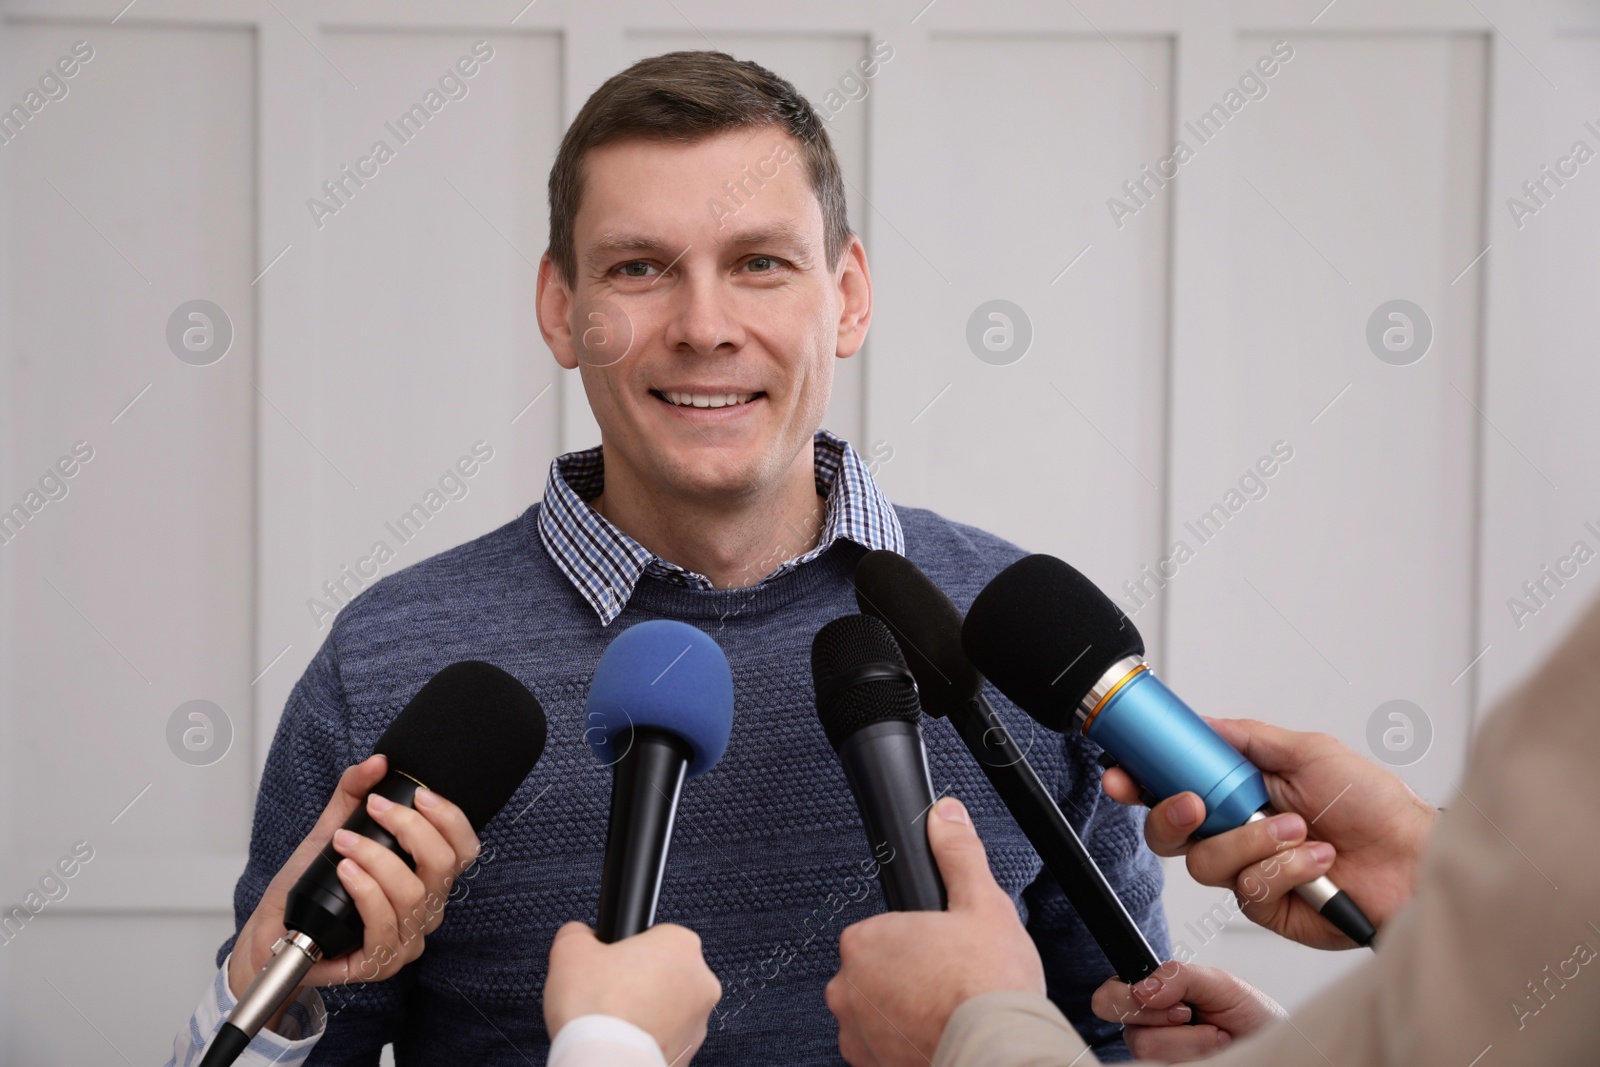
<point>351,793</point>
<point>963,864</point>
<point>572,938</point>
<point>573,928</point>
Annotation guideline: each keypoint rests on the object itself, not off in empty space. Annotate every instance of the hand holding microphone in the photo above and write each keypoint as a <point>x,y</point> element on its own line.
<point>436,834</point>
<point>657,980</point>
<point>473,732</point>
<point>979,946</point>
<point>1368,817</point>
<point>1154,1013</point>
<point>902,973</point>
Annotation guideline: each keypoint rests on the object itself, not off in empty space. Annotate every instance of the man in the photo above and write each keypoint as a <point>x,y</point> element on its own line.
<point>706,339</point>
<point>1488,961</point>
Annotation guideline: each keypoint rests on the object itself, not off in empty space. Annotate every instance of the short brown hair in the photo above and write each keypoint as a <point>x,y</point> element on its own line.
<point>687,96</point>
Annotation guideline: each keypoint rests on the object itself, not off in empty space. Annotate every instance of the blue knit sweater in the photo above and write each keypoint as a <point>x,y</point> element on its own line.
<point>767,858</point>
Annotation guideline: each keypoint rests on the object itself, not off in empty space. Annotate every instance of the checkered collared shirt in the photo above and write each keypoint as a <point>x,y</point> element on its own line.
<point>605,564</point>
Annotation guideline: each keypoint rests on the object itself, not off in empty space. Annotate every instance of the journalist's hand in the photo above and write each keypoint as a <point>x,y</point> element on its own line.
<point>657,980</point>
<point>1369,832</point>
<point>903,974</point>
<point>398,906</point>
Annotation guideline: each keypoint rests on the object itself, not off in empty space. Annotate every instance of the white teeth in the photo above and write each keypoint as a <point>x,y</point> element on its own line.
<point>711,400</point>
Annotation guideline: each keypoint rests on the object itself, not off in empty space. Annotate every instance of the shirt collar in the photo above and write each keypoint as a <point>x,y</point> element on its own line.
<point>604,564</point>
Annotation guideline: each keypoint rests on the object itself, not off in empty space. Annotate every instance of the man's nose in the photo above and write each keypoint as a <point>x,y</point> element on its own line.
<point>701,316</point>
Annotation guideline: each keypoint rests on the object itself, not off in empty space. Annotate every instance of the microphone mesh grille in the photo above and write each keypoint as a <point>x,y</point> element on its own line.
<point>847,644</point>
<point>1044,634</point>
<point>471,734</point>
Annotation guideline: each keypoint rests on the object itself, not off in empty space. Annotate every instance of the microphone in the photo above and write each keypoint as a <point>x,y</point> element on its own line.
<point>1068,656</point>
<point>660,710</point>
<point>928,628</point>
<point>867,702</point>
<point>471,734</point>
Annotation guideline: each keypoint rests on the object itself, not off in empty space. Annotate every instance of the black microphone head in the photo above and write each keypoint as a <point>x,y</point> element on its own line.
<point>1044,634</point>
<point>471,734</point>
<point>926,625</point>
<point>860,677</point>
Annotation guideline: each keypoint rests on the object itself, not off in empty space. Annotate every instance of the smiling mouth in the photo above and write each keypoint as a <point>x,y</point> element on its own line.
<point>704,400</point>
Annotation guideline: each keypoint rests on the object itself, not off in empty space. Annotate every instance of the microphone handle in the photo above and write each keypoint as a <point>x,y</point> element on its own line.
<point>1167,749</point>
<point>1058,845</point>
<point>1331,902</point>
<point>318,904</point>
<point>887,769</point>
<point>645,786</point>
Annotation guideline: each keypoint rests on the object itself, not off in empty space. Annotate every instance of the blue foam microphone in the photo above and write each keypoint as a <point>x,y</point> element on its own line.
<point>1050,640</point>
<point>660,711</point>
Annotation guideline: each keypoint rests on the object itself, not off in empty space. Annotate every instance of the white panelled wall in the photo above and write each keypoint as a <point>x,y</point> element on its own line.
<point>1215,320</point>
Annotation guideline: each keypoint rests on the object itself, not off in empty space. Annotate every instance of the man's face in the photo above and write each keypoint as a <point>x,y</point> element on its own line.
<point>721,297</point>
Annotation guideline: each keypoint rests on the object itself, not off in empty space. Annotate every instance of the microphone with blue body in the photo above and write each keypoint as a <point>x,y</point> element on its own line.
<point>1050,640</point>
<point>660,711</point>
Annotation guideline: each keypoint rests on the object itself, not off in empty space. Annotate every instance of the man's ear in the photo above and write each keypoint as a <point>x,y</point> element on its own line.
<point>855,298</point>
<point>553,302</point>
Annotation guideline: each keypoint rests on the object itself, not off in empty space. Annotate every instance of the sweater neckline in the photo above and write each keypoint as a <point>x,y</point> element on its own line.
<point>657,596</point>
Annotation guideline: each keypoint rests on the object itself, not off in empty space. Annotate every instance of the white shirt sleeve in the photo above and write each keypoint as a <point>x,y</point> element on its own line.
<point>286,1046</point>
<point>604,1041</point>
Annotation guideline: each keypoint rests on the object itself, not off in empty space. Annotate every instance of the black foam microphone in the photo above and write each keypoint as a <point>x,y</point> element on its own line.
<point>867,703</point>
<point>928,628</point>
<point>1064,653</point>
<point>471,734</point>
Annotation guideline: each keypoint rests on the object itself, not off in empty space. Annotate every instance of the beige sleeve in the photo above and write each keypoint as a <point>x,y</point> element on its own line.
<point>1010,1030</point>
<point>1496,960</point>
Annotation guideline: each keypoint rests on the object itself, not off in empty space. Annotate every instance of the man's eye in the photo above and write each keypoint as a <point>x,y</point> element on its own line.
<point>762,265</point>
<point>637,269</point>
